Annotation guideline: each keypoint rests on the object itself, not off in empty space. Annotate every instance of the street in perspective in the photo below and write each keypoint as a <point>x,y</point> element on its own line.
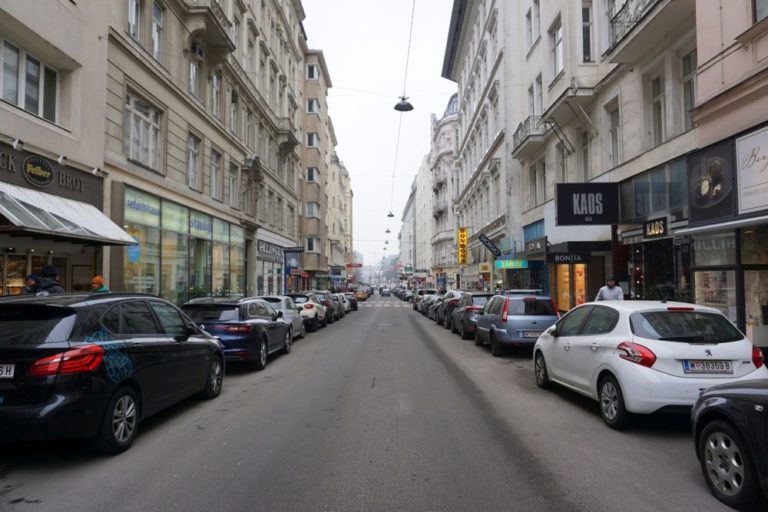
<point>415,255</point>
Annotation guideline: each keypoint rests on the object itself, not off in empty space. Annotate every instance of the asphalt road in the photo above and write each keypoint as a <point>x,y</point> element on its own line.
<point>382,411</point>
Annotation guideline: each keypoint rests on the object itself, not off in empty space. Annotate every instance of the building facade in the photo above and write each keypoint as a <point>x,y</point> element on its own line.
<point>423,224</point>
<point>339,222</point>
<point>406,238</point>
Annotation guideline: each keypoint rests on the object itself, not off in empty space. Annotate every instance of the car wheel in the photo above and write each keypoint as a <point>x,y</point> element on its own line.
<point>540,370</point>
<point>496,350</point>
<point>728,467</point>
<point>303,330</point>
<point>478,341</point>
<point>324,322</point>
<point>453,327</point>
<point>215,379</point>
<point>261,361</point>
<point>288,341</point>
<point>120,424</point>
<point>612,407</point>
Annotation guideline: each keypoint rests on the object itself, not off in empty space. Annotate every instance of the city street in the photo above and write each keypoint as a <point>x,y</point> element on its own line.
<point>381,411</point>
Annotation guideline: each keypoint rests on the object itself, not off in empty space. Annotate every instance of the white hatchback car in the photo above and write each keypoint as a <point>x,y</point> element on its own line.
<point>643,356</point>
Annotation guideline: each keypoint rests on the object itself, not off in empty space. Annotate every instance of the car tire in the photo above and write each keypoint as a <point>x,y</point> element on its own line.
<point>303,330</point>
<point>478,341</point>
<point>288,341</point>
<point>314,325</point>
<point>324,322</point>
<point>261,361</point>
<point>215,379</point>
<point>496,349</point>
<point>120,423</point>
<point>540,371</point>
<point>612,407</point>
<point>446,323</point>
<point>454,330</point>
<point>728,467</point>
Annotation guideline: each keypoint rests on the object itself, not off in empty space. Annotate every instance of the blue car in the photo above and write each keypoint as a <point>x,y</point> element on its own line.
<point>250,329</point>
<point>514,320</point>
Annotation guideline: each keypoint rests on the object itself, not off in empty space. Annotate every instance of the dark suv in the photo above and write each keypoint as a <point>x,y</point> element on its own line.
<point>78,366</point>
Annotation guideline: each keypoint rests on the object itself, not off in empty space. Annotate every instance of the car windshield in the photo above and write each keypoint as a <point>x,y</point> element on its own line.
<point>684,327</point>
<point>34,324</point>
<point>209,312</point>
<point>531,306</point>
<point>272,300</point>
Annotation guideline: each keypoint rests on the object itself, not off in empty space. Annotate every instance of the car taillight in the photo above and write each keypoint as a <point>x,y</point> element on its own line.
<point>472,308</point>
<point>81,359</point>
<point>452,302</point>
<point>237,328</point>
<point>757,357</point>
<point>636,353</point>
<point>505,310</point>
<point>308,306</point>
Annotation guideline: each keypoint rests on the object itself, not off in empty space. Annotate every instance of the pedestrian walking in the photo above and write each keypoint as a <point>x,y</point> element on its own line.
<point>610,291</point>
<point>30,284</point>
<point>98,286</point>
<point>49,281</point>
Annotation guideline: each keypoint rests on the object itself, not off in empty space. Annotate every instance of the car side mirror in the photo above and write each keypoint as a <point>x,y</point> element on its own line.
<point>552,331</point>
<point>279,314</point>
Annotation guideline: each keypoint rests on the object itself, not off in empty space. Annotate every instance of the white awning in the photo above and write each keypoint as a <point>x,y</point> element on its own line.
<point>36,213</point>
<point>722,226</point>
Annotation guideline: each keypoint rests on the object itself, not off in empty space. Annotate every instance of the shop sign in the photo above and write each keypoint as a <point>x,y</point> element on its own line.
<point>267,251</point>
<point>141,208</point>
<point>296,271</point>
<point>461,237</point>
<point>489,245</point>
<point>293,249</point>
<point>336,270</point>
<point>752,161</point>
<point>568,258</point>
<point>37,171</point>
<point>579,204</point>
<point>655,228</point>
<point>200,225</point>
<point>536,246</point>
<point>511,264</point>
<point>710,184</point>
<point>354,265</point>
<point>485,267</point>
<point>322,276</point>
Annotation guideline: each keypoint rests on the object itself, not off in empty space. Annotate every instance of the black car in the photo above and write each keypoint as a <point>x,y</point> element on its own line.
<point>93,366</point>
<point>250,329</point>
<point>730,428</point>
<point>464,315</point>
<point>446,308</point>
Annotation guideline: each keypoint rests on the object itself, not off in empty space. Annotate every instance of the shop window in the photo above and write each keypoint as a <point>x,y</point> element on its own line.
<point>658,188</point>
<point>175,248</point>
<point>714,249</point>
<point>717,289</point>
<point>142,265</point>
<point>754,245</point>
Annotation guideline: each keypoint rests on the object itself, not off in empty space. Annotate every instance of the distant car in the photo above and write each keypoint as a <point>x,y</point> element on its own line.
<point>94,365</point>
<point>445,311</point>
<point>514,321</point>
<point>352,300</point>
<point>339,305</point>
<point>361,295</point>
<point>642,357</point>
<point>311,309</point>
<point>250,329</point>
<point>291,313</point>
<point>385,292</point>
<point>421,293</point>
<point>464,319</point>
<point>730,434</point>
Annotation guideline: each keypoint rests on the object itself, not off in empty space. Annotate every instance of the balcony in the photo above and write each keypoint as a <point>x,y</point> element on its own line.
<point>311,226</point>
<point>445,235</point>
<point>207,22</point>
<point>639,25</point>
<point>287,135</point>
<point>529,138</point>
<point>439,179</point>
<point>312,261</point>
<point>439,207</point>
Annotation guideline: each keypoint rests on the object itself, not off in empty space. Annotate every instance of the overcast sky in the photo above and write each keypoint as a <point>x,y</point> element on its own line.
<point>365,43</point>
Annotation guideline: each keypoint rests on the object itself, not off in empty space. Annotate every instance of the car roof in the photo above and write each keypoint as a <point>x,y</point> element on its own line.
<point>72,298</point>
<point>633,306</point>
<point>224,301</point>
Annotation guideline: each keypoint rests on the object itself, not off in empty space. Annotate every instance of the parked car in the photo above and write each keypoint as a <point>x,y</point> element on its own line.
<point>95,365</point>
<point>408,296</point>
<point>514,321</point>
<point>361,295</point>
<point>291,313</point>
<point>730,435</point>
<point>250,329</point>
<point>385,292</point>
<point>445,311</point>
<point>425,302</point>
<point>644,356</point>
<point>433,306</point>
<point>352,300</point>
<point>339,307</point>
<point>311,309</point>
<point>465,314</point>
<point>420,294</point>
<point>331,311</point>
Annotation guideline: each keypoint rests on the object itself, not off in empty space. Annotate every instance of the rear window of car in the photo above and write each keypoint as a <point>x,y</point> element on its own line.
<point>684,327</point>
<point>480,300</point>
<point>530,306</point>
<point>322,295</point>
<point>34,324</point>
<point>207,313</point>
<point>300,299</point>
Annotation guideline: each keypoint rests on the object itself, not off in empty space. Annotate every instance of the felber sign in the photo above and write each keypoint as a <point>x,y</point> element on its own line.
<point>580,204</point>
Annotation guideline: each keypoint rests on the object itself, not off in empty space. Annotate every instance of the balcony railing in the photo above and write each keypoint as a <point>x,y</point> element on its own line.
<point>626,17</point>
<point>208,17</point>
<point>531,130</point>
<point>439,207</point>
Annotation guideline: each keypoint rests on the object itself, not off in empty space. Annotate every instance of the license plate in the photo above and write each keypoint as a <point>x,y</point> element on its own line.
<point>704,366</point>
<point>7,370</point>
<point>531,334</point>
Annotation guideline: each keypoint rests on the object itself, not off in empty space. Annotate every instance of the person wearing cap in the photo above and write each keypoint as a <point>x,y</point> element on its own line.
<point>30,285</point>
<point>610,291</point>
<point>49,281</point>
<point>97,285</point>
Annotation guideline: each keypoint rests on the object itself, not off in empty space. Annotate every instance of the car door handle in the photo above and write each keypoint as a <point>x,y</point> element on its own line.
<point>567,346</point>
<point>594,346</point>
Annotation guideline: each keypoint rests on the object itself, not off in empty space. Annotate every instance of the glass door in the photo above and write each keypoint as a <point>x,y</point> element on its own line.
<point>756,306</point>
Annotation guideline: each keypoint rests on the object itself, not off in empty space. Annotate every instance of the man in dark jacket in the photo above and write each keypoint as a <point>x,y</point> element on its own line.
<point>49,280</point>
<point>31,284</point>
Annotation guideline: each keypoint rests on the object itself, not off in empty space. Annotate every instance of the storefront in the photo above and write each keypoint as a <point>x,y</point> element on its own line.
<point>50,214</point>
<point>181,253</point>
<point>576,271</point>
<point>534,276</point>
<point>270,259</point>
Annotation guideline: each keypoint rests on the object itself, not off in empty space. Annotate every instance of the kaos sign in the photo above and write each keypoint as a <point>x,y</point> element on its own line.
<point>581,204</point>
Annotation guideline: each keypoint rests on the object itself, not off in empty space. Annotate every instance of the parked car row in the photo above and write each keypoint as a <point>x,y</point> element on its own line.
<point>642,357</point>
<point>91,366</point>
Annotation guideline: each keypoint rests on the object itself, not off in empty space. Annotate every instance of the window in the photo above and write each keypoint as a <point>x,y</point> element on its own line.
<point>169,317</point>
<point>539,89</point>
<point>560,160</point>
<point>601,321</point>
<point>193,170</point>
<point>313,140</point>
<point>760,9</point>
<point>157,30</point>
<point>216,93</point>
<point>313,106</point>
<point>312,244</point>
<point>141,132</point>
<point>215,174</point>
<point>29,83</point>
<point>556,40</point>
<point>249,58</point>
<point>536,20</point>
<point>313,72</point>
<point>586,32</point>
<point>537,182</point>
<point>531,101</point>
<point>657,109</point>
<point>312,209</point>
<point>249,128</point>
<point>234,107</point>
<point>195,69</point>
<point>291,220</point>
<point>312,174</point>
<point>271,207</point>
<point>234,189</point>
<point>571,323</point>
<point>529,28</point>
<point>614,134</point>
<point>279,213</point>
<point>249,203</point>
<point>689,88</point>
<point>134,18</point>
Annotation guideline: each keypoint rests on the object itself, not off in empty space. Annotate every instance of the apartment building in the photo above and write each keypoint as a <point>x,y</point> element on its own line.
<point>423,223</point>
<point>406,238</point>
<point>445,267</point>
<point>339,222</point>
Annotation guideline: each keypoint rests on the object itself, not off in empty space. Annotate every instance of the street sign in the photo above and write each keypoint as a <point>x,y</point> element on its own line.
<point>462,242</point>
<point>489,245</point>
